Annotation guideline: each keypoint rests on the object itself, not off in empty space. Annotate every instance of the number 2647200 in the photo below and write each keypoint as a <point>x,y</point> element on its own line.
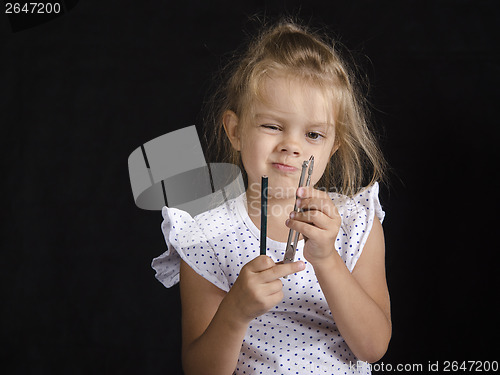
<point>33,8</point>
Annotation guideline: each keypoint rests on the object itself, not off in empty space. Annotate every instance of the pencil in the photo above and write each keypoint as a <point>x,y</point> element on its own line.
<point>263,215</point>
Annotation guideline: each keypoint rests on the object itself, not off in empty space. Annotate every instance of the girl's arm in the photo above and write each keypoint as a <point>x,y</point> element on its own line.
<point>214,322</point>
<point>360,301</point>
<point>211,336</point>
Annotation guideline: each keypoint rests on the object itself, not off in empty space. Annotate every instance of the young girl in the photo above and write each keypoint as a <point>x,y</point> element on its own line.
<point>288,97</point>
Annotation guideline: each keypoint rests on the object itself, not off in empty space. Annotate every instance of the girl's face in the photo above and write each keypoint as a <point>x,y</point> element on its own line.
<point>293,122</point>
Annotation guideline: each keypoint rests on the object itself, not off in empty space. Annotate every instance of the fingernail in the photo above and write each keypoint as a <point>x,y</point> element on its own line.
<point>301,265</point>
<point>300,191</point>
<point>299,201</point>
<point>292,214</point>
<point>287,221</point>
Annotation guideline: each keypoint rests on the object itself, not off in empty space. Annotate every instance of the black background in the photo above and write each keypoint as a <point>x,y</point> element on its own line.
<point>79,93</point>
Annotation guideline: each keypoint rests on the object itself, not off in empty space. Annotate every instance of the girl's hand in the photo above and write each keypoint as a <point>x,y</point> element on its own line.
<point>258,287</point>
<point>319,223</point>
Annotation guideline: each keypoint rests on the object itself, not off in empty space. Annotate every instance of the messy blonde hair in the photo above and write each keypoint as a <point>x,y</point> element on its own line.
<point>287,48</point>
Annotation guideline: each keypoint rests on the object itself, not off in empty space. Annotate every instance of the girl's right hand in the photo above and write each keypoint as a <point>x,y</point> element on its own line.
<point>258,287</point>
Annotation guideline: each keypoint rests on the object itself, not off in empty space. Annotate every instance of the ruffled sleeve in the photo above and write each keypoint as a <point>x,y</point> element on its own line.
<point>357,214</point>
<point>185,240</point>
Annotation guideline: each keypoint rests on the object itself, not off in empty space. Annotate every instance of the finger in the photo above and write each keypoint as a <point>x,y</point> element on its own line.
<point>272,287</point>
<point>260,263</point>
<point>309,191</point>
<point>306,229</point>
<point>316,218</point>
<point>324,205</point>
<point>281,270</point>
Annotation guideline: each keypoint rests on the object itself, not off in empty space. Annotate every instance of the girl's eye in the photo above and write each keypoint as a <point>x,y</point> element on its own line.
<point>271,127</point>
<point>314,135</point>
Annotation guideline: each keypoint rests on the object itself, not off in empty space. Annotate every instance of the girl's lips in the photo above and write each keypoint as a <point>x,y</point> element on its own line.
<point>284,167</point>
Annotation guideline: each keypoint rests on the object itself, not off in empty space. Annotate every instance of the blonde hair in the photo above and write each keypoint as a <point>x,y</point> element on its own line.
<point>290,49</point>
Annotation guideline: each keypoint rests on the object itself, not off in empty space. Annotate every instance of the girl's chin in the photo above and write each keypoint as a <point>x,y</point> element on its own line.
<point>279,185</point>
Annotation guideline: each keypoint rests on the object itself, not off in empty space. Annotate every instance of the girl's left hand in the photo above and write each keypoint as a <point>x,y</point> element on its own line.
<point>319,222</point>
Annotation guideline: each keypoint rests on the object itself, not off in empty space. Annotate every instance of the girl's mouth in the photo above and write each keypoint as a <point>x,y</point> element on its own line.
<point>284,167</point>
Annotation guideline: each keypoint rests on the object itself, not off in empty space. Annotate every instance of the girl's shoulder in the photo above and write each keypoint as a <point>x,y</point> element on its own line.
<point>224,216</point>
<point>196,241</point>
<point>358,213</point>
<point>366,202</point>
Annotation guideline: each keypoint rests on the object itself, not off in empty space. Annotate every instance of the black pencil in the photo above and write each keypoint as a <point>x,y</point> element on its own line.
<point>263,215</point>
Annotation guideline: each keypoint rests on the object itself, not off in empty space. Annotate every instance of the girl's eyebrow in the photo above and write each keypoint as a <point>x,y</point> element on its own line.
<point>269,116</point>
<point>282,120</point>
<point>320,124</point>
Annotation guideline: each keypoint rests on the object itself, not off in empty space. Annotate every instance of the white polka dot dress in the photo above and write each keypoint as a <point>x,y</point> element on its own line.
<point>298,336</point>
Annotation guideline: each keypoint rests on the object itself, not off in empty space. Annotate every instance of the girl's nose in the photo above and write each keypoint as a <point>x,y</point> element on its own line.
<point>290,145</point>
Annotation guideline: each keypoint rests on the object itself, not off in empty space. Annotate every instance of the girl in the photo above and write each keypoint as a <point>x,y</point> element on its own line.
<point>288,97</point>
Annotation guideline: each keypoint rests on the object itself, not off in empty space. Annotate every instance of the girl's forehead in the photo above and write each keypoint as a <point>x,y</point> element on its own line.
<point>293,96</point>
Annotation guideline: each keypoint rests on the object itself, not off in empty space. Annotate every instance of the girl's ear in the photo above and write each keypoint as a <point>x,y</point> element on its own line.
<point>230,122</point>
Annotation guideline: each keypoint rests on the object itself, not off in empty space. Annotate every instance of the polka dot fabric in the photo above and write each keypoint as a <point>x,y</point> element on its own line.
<point>298,336</point>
